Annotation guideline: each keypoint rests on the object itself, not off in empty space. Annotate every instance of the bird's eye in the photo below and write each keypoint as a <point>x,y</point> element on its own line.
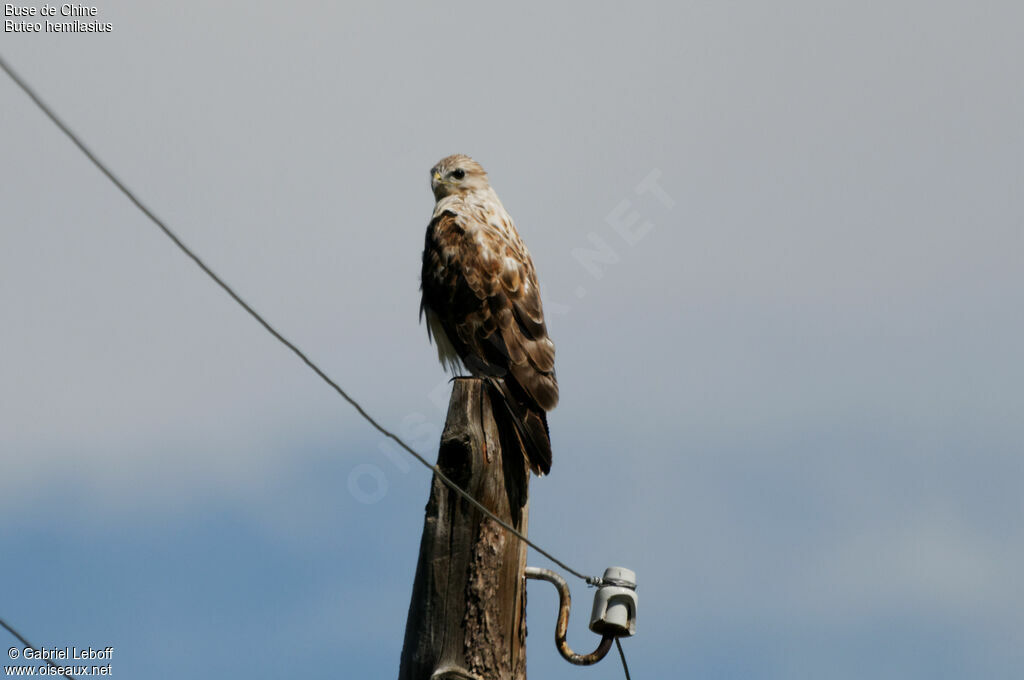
<point>458,174</point>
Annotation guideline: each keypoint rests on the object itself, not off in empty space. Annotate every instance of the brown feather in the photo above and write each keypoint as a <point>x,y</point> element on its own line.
<point>480,291</point>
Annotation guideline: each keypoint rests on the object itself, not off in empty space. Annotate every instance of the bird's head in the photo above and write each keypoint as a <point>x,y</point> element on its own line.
<point>457,174</point>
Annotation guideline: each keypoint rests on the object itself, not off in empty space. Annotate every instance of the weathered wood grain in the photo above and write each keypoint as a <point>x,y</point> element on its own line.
<point>467,617</point>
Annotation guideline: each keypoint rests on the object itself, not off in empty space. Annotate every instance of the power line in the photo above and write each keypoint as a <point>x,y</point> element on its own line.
<point>592,580</point>
<point>19,635</point>
<point>622,655</point>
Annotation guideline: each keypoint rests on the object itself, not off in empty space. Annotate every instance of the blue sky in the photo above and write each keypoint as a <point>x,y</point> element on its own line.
<point>790,394</point>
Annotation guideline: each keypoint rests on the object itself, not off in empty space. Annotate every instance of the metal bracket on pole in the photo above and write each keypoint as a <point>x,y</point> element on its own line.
<point>610,598</point>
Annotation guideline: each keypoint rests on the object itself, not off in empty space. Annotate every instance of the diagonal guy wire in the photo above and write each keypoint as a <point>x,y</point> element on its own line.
<point>592,580</point>
<point>25,642</point>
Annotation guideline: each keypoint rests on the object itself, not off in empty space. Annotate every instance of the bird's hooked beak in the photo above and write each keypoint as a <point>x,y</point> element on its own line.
<point>436,184</point>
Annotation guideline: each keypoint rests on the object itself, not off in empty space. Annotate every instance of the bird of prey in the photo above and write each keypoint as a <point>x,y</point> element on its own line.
<point>482,303</point>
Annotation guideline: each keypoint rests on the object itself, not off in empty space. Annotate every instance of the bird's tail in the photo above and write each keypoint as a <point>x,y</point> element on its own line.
<point>531,425</point>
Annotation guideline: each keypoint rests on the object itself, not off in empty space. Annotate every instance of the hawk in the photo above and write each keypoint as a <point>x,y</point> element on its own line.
<point>482,303</point>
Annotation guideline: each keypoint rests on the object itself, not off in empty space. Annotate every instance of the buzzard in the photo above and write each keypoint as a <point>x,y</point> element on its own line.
<point>482,303</point>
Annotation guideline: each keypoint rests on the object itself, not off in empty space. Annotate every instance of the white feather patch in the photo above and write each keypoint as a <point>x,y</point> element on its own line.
<point>445,350</point>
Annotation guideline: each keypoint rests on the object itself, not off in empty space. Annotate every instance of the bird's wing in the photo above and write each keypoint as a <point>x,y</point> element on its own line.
<point>480,283</point>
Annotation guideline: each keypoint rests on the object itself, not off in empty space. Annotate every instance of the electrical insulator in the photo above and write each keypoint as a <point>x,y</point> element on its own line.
<point>615,603</point>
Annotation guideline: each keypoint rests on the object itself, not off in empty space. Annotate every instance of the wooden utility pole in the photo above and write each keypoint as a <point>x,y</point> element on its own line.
<point>467,618</point>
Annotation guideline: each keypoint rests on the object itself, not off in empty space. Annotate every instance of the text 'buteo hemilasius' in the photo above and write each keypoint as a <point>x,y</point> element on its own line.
<point>482,303</point>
